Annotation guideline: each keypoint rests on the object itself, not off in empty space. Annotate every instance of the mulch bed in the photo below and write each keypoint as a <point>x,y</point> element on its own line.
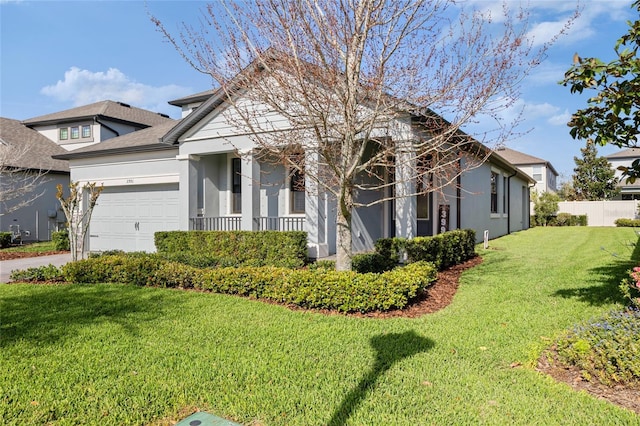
<point>10,255</point>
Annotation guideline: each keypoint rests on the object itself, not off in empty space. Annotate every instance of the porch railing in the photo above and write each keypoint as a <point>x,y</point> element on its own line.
<point>279,223</point>
<point>215,223</point>
<point>234,223</point>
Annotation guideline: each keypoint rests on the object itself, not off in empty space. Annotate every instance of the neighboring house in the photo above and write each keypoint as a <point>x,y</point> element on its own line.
<point>89,124</point>
<point>628,191</point>
<point>26,155</point>
<point>540,170</point>
<point>201,173</point>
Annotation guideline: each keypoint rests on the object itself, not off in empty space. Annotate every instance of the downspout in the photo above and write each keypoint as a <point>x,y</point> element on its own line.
<point>509,202</point>
<point>97,120</point>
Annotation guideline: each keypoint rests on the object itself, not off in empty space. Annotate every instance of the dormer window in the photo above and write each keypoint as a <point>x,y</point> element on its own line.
<point>64,134</point>
<point>86,131</point>
<point>75,132</point>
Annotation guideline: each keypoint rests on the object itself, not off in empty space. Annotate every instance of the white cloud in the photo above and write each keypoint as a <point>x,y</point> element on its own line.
<point>560,119</point>
<point>82,87</point>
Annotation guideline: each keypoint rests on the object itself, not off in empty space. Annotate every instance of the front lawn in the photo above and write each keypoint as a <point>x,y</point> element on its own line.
<point>115,354</point>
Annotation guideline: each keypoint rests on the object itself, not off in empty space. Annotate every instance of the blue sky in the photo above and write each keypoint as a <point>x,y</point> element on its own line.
<point>56,55</point>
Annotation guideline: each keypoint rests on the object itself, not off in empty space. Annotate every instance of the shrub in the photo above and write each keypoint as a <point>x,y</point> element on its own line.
<point>38,274</point>
<point>323,264</point>
<point>248,248</point>
<point>173,275</point>
<point>631,223</point>
<point>60,240</point>
<point>371,262</point>
<point>129,268</point>
<point>443,250</point>
<point>605,349</point>
<point>563,219</point>
<point>5,239</point>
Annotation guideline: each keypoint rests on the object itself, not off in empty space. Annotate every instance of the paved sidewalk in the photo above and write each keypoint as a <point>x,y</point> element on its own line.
<point>6,266</point>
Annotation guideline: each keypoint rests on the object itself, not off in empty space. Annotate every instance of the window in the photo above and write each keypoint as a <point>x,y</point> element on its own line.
<point>86,131</point>
<point>64,134</point>
<point>297,192</point>
<point>494,192</point>
<point>423,184</point>
<point>75,132</point>
<point>504,194</point>
<point>537,173</point>
<point>236,186</point>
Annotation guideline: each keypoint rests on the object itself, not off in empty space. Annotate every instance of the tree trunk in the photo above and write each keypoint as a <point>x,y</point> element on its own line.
<point>344,242</point>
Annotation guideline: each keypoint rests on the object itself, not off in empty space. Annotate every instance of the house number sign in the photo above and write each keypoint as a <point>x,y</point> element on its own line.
<point>443,218</point>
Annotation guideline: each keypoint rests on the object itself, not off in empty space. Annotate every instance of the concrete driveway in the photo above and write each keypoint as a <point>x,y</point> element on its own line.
<point>6,266</point>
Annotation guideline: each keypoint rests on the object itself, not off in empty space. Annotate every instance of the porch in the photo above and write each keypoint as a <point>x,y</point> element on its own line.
<point>234,223</point>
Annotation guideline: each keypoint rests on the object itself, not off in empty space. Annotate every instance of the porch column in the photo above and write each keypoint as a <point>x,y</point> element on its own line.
<point>315,209</point>
<point>405,186</point>
<point>250,184</point>
<point>188,189</point>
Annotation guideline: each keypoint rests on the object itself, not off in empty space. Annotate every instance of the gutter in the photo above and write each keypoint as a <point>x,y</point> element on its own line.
<point>97,120</point>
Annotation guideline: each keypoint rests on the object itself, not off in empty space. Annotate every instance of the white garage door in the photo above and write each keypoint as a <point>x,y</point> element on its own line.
<point>125,218</point>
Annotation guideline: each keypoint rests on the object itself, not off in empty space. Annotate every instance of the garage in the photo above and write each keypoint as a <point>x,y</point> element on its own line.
<point>126,217</point>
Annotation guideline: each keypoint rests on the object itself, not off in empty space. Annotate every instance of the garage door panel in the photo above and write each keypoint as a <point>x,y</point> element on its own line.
<point>126,218</point>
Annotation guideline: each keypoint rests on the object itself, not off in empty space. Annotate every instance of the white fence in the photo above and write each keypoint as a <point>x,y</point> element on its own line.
<point>600,213</point>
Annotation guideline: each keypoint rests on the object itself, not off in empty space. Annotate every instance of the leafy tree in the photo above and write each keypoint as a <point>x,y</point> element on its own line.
<point>343,74</point>
<point>612,115</point>
<point>593,177</point>
<point>545,206</point>
<point>567,192</point>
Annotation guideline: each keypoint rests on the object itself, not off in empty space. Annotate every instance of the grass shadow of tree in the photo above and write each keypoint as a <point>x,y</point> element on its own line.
<point>605,288</point>
<point>389,348</point>
<point>53,313</point>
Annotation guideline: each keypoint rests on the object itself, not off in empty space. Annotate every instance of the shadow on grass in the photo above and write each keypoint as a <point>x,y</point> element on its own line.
<point>390,348</point>
<point>49,314</point>
<point>605,288</point>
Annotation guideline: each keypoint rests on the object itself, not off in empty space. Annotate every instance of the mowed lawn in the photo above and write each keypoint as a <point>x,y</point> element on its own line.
<point>119,355</point>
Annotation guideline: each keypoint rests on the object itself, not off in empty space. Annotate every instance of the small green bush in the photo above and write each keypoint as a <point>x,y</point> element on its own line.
<point>370,262</point>
<point>5,239</point>
<point>130,268</point>
<point>60,240</point>
<point>443,250</point>
<point>240,248</point>
<point>38,274</point>
<point>323,264</point>
<point>631,223</point>
<point>605,349</point>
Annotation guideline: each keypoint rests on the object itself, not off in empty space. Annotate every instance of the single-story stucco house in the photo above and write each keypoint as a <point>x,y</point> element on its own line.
<point>202,173</point>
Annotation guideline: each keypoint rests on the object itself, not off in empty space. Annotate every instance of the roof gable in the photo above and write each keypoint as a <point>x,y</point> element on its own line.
<point>117,111</point>
<point>25,148</point>
<point>626,153</point>
<point>518,158</point>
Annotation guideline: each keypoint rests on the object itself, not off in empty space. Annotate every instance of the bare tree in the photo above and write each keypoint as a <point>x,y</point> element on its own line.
<point>78,207</point>
<point>358,84</point>
<point>19,186</point>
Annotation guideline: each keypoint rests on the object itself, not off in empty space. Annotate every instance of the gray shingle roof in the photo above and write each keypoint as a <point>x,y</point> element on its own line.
<point>142,140</point>
<point>196,97</point>
<point>518,158</point>
<point>626,153</point>
<point>25,148</point>
<point>107,109</point>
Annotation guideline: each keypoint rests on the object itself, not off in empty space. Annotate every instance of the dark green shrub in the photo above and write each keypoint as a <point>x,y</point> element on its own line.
<point>631,223</point>
<point>38,274</point>
<point>108,253</point>
<point>370,262</point>
<point>173,275</point>
<point>443,250</point>
<point>247,248</point>
<point>5,239</point>
<point>323,264</point>
<point>60,240</point>
<point>563,219</point>
<point>605,349</point>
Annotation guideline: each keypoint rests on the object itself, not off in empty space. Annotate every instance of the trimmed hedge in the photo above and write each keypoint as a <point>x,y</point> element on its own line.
<point>631,223</point>
<point>320,288</point>
<point>562,219</point>
<point>60,240</point>
<point>5,239</point>
<point>237,248</point>
<point>443,250</point>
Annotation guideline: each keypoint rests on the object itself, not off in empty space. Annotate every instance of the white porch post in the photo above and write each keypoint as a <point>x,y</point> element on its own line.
<point>188,189</point>
<point>406,209</point>
<point>250,184</point>
<point>315,224</point>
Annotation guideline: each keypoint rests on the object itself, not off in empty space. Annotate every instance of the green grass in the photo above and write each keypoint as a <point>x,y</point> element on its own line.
<point>39,247</point>
<point>116,355</point>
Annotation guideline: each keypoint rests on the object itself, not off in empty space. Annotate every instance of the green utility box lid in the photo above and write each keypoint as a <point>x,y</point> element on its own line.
<point>202,418</point>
